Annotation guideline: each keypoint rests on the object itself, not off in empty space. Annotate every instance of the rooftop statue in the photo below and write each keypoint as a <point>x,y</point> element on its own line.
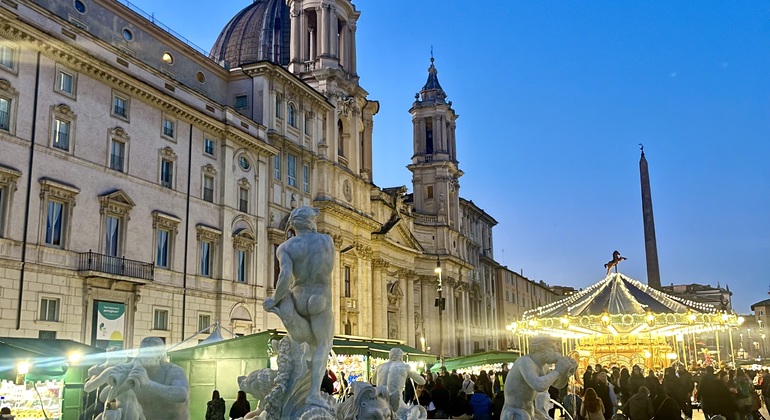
<point>616,258</point>
<point>529,377</point>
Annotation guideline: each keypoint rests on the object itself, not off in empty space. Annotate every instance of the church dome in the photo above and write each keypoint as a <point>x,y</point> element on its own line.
<point>259,32</point>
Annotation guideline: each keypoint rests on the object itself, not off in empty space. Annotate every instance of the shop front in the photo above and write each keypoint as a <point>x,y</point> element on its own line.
<point>43,379</point>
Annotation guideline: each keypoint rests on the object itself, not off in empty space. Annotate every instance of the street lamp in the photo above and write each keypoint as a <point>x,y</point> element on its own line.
<point>440,303</point>
<point>763,345</point>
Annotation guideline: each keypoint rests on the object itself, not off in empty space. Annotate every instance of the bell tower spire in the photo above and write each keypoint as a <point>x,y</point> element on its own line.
<point>434,166</point>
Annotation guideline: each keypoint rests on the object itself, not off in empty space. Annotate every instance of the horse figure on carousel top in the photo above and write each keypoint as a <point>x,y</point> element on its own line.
<point>616,258</point>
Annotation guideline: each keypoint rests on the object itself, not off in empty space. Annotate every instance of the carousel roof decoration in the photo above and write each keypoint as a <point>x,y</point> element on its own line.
<point>621,305</point>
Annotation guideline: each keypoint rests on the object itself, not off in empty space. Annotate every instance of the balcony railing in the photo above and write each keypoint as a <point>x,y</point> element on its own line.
<point>119,266</point>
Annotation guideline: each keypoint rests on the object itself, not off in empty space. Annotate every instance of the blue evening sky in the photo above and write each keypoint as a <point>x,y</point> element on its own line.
<point>553,98</point>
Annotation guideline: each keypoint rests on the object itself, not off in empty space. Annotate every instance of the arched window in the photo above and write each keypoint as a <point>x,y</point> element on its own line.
<point>292,116</point>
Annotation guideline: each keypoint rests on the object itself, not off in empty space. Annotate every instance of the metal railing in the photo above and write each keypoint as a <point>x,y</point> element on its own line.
<point>151,17</point>
<point>120,266</point>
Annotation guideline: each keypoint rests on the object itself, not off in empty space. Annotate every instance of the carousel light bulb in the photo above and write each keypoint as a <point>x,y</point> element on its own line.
<point>647,354</point>
<point>741,320</point>
<point>605,318</point>
<point>564,320</point>
<point>691,317</point>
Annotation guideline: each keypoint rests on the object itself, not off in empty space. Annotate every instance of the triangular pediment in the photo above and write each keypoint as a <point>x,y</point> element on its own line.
<point>118,197</point>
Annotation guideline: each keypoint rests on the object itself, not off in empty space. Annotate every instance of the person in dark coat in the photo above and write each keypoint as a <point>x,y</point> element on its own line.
<point>327,384</point>
<point>603,390</point>
<point>485,385</point>
<point>215,409</point>
<point>666,408</point>
<point>497,405</point>
<point>481,405</point>
<point>636,381</point>
<point>240,407</point>
<point>707,386</point>
<point>460,406</point>
<point>624,386</point>
<point>653,384</point>
<point>639,406</point>
<point>440,397</point>
<point>686,385</point>
<point>588,378</point>
<point>671,385</point>
<point>453,383</point>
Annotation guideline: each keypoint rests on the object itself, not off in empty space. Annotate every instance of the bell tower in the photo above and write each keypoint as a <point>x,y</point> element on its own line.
<point>435,174</point>
<point>323,35</point>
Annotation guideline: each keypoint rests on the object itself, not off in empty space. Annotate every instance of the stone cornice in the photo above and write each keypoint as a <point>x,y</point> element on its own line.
<point>288,80</point>
<point>340,211</point>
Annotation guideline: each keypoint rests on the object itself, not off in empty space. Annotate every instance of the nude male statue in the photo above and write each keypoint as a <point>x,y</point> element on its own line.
<point>303,293</point>
<point>529,376</point>
<point>393,375</point>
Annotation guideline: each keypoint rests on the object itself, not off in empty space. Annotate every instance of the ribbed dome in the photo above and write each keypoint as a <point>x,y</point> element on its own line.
<point>259,32</point>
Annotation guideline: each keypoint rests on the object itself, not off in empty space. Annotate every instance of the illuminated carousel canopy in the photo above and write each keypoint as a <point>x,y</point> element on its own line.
<point>620,305</point>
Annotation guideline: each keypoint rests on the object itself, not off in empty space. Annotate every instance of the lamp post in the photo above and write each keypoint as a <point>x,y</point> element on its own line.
<point>440,304</point>
<point>763,345</point>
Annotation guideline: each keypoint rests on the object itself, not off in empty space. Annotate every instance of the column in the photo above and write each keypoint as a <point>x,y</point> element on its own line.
<point>352,65</point>
<point>409,311</point>
<point>379,308</point>
<point>334,48</point>
<point>323,24</point>
<point>342,46</point>
<point>302,35</point>
<point>312,41</point>
<point>296,37</point>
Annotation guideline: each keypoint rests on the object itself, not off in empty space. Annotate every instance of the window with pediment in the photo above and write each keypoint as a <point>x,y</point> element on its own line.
<point>62,128</point>
<point>243,244</point>
<point>115,210</point>
<point>58,201</point>
<point>8,179</point>
<point>8,100</point>
<point>165,227</point>
<point>208,242</point>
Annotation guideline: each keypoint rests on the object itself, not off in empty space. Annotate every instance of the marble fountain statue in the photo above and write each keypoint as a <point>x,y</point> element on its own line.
<point>303,302</point>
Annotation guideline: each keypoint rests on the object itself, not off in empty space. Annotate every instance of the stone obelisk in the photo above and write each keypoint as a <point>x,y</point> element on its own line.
<point>650,243</point>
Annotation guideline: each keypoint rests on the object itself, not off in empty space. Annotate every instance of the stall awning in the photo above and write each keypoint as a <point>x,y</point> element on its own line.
<point>250,345</point>
<point>47,357</point>
<point>478,359</point>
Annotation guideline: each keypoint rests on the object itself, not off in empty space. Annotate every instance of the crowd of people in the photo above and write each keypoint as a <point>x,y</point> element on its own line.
<point>671,394</point>
<point>452,395</point>
<point>638,394</point>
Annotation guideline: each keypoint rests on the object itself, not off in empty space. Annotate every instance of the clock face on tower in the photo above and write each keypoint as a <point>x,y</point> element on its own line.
<point>347,191</point>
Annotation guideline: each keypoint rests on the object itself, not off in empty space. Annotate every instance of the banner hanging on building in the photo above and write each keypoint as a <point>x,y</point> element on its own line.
<point>109,325</point>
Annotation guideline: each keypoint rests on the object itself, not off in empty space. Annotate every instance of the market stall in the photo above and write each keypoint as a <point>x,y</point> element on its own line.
<point>622,321</point>
<point>43,379</point>
<point>217,365</point>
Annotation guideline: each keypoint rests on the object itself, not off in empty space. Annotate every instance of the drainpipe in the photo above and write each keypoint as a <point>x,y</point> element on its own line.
<point>29,192</point>
<point>186,231</point>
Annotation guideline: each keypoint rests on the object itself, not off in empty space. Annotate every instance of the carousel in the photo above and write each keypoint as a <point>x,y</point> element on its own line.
<point>620,321</point>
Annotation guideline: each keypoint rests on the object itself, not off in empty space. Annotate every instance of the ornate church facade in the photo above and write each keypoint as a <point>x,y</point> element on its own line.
<point>144,185</point>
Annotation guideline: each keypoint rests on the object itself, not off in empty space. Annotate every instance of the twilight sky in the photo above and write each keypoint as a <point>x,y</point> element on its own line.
<point>554,98</point>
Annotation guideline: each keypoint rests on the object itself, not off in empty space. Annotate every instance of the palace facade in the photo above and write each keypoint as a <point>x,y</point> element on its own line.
<point>145,185</point>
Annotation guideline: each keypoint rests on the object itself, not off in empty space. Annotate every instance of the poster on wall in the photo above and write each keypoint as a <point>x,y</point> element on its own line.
<point>109,325</point>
